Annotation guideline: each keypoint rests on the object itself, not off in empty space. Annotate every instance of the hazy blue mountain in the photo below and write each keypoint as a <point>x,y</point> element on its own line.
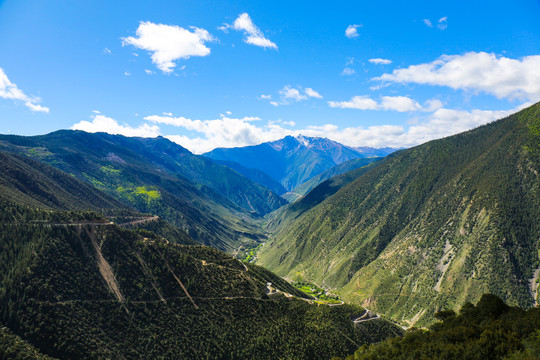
<point>291,160</point>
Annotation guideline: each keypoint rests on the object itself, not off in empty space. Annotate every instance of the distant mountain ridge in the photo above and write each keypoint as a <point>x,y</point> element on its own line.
<point>214,204</point>
<point>292,160</point>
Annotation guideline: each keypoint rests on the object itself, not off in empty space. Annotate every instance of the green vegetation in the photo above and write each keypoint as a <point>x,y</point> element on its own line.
<point>160,177</point>
<point>317,292</point>
<point>250,252</point>
<point>429,227</point>
<point>75,287</point>
<point>13,347</point>
<point>489,330</point>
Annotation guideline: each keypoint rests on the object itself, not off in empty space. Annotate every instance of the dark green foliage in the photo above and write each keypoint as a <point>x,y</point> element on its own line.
<point>489,330</point>
<point>13,347</point>
<point>77,287</point>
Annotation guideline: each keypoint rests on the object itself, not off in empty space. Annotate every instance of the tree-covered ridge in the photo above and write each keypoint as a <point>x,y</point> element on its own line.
<point>76,286</point>
<point>157,176</point>
<point>344,167</point>
<point>429,227</point>
<point>33,183</point>
<point>490,330</point>
<point>13,347</point>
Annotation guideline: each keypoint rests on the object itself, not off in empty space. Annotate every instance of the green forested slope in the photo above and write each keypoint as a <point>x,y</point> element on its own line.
<point>490,330</point>
<point>159,177</point>
<point>307,186</point>
<point>77,287</point>
<point>33,183</point>
<point>433,226</point>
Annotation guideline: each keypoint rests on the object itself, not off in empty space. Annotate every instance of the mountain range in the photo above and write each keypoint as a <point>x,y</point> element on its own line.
<point>85,284</point>
<point>292,161</point>
<point>160,177</point>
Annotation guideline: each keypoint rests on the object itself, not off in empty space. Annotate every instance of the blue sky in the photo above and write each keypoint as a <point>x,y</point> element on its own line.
<point>208,74</point>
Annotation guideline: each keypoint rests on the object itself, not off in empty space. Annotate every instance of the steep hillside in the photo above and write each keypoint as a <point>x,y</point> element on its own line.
<point>33,183</point>
<point>75,286</point>
<point>433,226</point>
<point>213,203</point>
<point>307,186</point>
<point>255,175</point>
<point>291,160</point>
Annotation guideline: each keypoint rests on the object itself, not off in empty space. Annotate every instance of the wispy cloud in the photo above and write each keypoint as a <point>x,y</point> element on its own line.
<point>428,23</point>
<point>443,23</point>
<point>477,71</point>
<point>396,103</point>
<point>352,31</point>
<point>379,61</point>
<point>252,34</point>
<point>289,95</point>
<point>9,90</point>
<point>169,43</point>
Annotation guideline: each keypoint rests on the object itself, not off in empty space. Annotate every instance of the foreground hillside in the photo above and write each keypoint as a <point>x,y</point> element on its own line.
<point>213,203</point>
<point>429,227</point>
<point>490,330</point>
<point>75,286</point>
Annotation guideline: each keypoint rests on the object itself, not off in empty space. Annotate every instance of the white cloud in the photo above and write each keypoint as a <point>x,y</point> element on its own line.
<point>169,43</point>
<point>149,72</point>
<point>477,71</point>
<point>289,95</point>
<point>127,73</point>
<point>379,61</point>
<point>352,31</point>
<point>396,103</point>
<point>229,132</point>
<point>106,51</point>
<point>9,90</point>
<point>102,123</point>
<point>443,23</point>
<point>252,34</point>
<point>399,103</point>
<point>356,102</point>
<point>428,22</point>
<point>348,71</point>
<point>312,93</point>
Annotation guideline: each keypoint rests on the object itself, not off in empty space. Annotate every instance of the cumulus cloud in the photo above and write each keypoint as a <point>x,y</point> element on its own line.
<point>477,71</point>
<point>231,132</point>
<point>312,93</point>
<point>396,103</point>
<point>379,61</point>
<point>352,31</point>
<point>102,123</point>
<point>169,43</point>
<point>252,34</point>
<point>9,90</point>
